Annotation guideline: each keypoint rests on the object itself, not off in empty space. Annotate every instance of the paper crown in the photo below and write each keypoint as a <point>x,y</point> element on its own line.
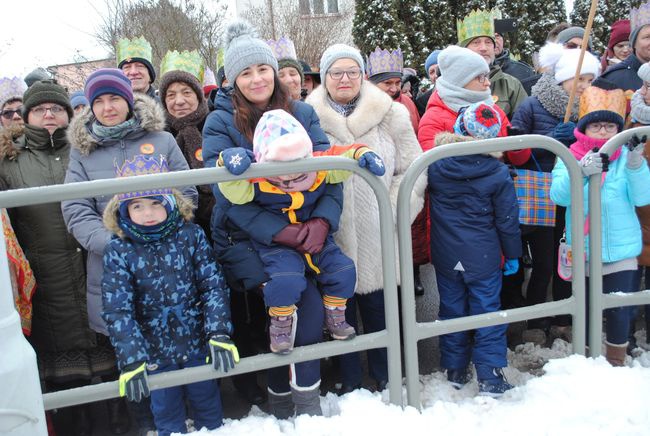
<point>640,16</point>
<point>132,48</point>
<point>142,165</point>
<point>188,61</point>
<point>209,78</point>
<point>597,99</point>
<point>384,61</point>
<point>477,23</point>
<point>11,89</point>
<point>283,48</point>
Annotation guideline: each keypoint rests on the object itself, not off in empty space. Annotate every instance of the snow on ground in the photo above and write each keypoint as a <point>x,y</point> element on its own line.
<point>570,395</point>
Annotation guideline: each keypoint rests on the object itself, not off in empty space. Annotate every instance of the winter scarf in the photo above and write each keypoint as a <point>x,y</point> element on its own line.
<point>114,132</point>
<point>344,109</point>
<point>146,234</point>
<point>456,97</point>
<point>553,97</point>
<point>188,135</point>
<point>640,110</point>
<point>585,143</point>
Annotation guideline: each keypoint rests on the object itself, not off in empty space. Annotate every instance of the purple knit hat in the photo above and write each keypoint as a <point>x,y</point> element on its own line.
<point>108,81</point>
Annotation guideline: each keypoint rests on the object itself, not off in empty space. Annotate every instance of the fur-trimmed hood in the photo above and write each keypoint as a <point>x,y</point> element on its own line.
<point>451,138</point>
<point>148,112</point>
<point>185,207</point>
<point>9,149</point>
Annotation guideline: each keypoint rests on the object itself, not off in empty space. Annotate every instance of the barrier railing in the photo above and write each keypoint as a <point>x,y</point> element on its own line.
<point>597,301</point>
<point>388,338</point>
<point>415,331</point>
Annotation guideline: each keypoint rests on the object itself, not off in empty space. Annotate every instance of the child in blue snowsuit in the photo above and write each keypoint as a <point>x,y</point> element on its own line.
<point>165,301</point>
<point>306,243</point>
<point>474,216</point>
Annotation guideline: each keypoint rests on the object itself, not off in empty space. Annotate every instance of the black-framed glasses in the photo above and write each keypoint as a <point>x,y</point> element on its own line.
<point>338,74</point>
<point>596,127</point>
<point>8,114</point>
<point>482,78</point>
<point>41,110</point>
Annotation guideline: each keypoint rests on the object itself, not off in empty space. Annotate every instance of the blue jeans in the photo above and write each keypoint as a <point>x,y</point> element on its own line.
<point>168,405</point>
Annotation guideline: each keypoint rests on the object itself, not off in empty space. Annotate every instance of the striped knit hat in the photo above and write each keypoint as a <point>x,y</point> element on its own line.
<point>108,81</point>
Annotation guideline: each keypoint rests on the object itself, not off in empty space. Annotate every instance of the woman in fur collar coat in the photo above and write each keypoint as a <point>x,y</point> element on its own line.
<point>352,110</point>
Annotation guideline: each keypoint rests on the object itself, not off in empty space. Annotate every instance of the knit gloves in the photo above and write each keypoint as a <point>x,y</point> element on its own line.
<point>223,352</point>
<point>370,160</point>
<point>235,159</point>
<point>133,382</point>
<point>594,163</point>
<point>636,147</point>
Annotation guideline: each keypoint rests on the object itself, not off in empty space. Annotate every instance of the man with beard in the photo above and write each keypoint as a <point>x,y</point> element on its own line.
<point>385,71</point>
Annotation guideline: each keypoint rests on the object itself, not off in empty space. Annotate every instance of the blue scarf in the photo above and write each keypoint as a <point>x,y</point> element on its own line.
<point>146,234</point>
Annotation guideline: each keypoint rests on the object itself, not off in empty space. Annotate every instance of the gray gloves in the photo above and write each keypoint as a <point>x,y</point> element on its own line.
<point>635,155</point>
<point>594,163</point>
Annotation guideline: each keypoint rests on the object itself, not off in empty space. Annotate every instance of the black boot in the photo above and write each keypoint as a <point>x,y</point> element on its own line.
<point>247,387</point>
<point>417,282</point>
<point>119,421</point>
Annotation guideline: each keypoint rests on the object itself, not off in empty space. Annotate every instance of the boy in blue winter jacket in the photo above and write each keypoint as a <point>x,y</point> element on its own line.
<point>475,221</point>
<point>165,301</point>
<point>306,243</point>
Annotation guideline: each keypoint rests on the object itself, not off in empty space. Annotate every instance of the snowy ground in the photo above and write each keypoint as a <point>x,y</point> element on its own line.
<point>556,394</point>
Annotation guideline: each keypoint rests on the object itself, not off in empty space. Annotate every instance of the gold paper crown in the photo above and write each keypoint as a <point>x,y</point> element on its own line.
<point>132,48</point>
<point>188,61</point>
<point>283,48</point>
<point>640,16</point>
<point>597,99</point>
<point>477,23</point>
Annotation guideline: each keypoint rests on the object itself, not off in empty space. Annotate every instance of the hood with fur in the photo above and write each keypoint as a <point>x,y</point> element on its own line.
<point>451,138</point>
<point>8,136</point>
<point>150,114</point>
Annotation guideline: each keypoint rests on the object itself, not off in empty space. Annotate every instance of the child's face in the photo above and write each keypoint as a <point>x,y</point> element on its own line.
<point>602,130</point>
<point>147,211</point>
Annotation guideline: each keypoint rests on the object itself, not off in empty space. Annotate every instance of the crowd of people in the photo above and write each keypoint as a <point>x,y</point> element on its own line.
<point>122,287</point>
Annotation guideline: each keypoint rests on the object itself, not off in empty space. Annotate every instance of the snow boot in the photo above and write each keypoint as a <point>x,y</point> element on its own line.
<point>615,354</point>
<point>282,333</point>
<point>281,405</point>
<point>535,336</point>
<point>307,400</point>
<point>336,324</point>
<point>458,377</point>
<point>491,381</point>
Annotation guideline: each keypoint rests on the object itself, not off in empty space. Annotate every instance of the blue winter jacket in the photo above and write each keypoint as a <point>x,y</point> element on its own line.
<point>622,190</point>
<point>474,215</point>
<point>532,118</point>
<point>162,300</point>
<point>624,74</point>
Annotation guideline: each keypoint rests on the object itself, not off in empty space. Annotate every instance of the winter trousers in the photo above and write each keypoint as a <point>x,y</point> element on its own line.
<point>371,308</point>
<point>333,270</point>
<point>168,405</point>
<point>462,296</point>
<point>308,331</point>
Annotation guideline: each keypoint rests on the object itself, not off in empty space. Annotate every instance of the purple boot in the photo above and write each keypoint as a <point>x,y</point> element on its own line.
<point>336,324</point>
<point>282,333</point>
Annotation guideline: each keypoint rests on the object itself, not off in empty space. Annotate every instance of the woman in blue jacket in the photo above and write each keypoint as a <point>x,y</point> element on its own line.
<point>252,70</point>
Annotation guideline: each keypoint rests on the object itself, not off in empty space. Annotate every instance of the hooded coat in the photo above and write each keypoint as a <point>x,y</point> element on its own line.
<point>624,74</point>
<point>385,127</point>
<point>35,158</point>
<point>94,158</point>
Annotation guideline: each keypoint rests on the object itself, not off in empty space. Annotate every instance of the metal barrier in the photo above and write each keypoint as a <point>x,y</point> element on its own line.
<point>414,331</point>
<point>597,301</point>
<point>388,338</point>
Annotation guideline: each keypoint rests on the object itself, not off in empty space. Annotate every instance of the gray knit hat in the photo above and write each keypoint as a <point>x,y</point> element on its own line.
<point>644,72</point>
<point>336,52</point>
<point>459,65</point>
<point>572,32</point>
<point>634,34</point>
<point>243,49</point>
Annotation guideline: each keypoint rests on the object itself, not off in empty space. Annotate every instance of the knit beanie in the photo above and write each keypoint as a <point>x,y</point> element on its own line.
<point>108,81</point>
<point>603,101</point>
<point>37,75</point>
<point>336,52</point>
<point>459,65</point>
<point>46,91</point>
<point>77,98</point>
<point>243,49</point>
<point>291,63</point>
<point>563,62</point>
<point>143,61</point>
<point>572,32</point>
<point>644,72</point>
<point>431,60</point>
<point>179,76</point>
<point>279,137</point>
<point>634,34</point>
<point>478,120</point>
<point>11,89</point>
<point>620,32</point>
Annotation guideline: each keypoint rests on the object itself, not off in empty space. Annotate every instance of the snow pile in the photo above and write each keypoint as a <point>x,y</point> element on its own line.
<point>575,395</point>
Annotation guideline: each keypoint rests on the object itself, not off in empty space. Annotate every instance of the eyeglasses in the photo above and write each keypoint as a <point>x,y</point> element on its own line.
<point>9,113</point>
<point>482,78</point>
<point>572,45</point>
<point>338,75</point>
<point>596,127</point>
<point>41,110</point>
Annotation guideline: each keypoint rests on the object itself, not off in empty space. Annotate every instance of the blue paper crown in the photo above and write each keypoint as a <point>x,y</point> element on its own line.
<point>142,165</point>
<point>384,61</point>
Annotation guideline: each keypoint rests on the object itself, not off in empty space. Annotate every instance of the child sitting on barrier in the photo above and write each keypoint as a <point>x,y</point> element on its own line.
<point>165,301</point>
<point>625,179</point>
<point>306,243</point>
<point>474,208</point>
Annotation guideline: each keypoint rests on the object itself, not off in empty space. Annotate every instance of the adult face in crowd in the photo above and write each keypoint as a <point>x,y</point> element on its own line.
<point>11,101</point>
<point>139,75</point>
<point>571,38</point>
<point>343,80</point>
<point>311,80</point>
<point>78,101</point>
<point>622,50</point>
<point>642,44</point>
<point>498,44</point>
<point>110,96</point>
<point>257,83</point>
<point>11,113</point>
<point>392,87</point>
<point>49,116</point>
<point>484,46</point>
<point>479,83</point>
<point>180,99</point>
<point>431,66</point>
<point>290,75</point>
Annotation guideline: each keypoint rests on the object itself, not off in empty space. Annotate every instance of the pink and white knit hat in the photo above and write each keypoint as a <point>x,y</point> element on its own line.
<point>279,137</point>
